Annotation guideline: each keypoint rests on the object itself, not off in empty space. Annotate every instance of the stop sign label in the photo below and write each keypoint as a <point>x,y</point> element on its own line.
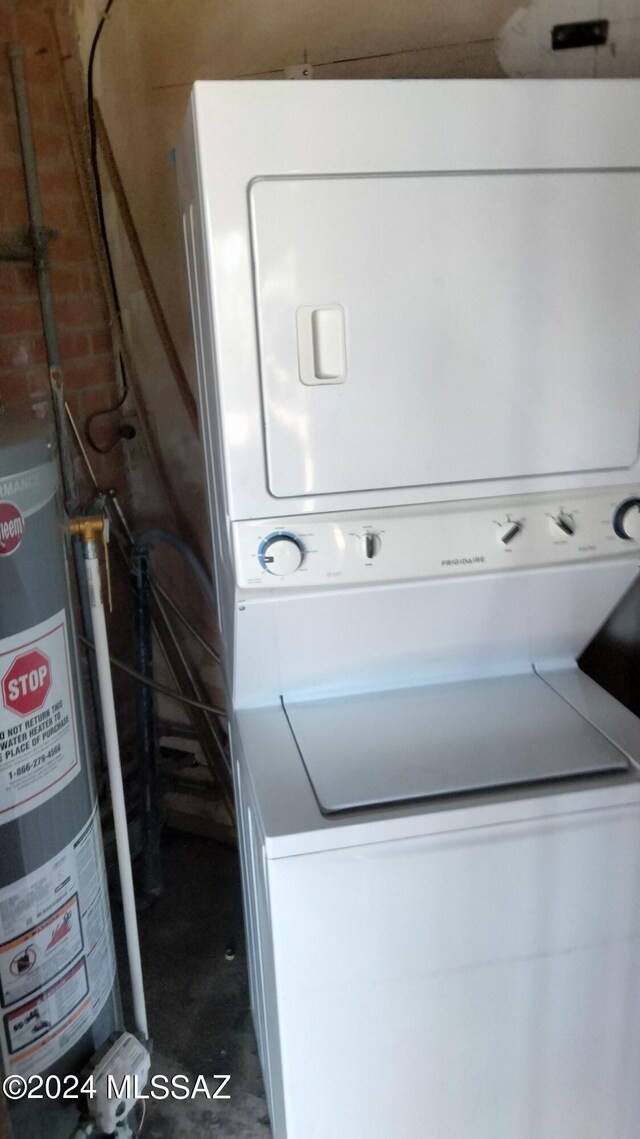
<point>26,684</point>
<point>39,745</point>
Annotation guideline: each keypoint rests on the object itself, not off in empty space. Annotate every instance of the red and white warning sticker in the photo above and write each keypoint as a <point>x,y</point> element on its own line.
<point>57,963</point>
<point>11,528</point>
<point>39,751</point>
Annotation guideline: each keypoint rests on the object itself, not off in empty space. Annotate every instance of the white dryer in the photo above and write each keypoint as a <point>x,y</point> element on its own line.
<point>415,315</point>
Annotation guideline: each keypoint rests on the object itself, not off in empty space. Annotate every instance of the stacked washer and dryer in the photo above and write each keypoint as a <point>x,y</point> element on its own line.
<point>416,313</point>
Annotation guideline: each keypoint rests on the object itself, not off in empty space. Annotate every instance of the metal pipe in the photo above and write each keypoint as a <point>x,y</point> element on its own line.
<point>118,804</point>
<point>40,241</point>
<point>183,672</point>
<point>38,255</point>
<point>182,617</point>
<point>145,540</point>
<point>148,760</point>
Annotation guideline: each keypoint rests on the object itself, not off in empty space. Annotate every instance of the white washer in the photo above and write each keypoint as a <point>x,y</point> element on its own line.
<point>465,966</point>
<point>415,315</point>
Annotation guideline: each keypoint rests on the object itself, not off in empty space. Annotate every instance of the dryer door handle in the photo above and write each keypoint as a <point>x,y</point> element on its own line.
<point>322,354</point>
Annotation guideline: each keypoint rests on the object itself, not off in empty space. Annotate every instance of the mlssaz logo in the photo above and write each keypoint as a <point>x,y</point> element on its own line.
<point>11,528</point>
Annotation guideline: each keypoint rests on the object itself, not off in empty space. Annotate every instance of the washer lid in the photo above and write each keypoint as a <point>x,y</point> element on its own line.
<point>387,747</point>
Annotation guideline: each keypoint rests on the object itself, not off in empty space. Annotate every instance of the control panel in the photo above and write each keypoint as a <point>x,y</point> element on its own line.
<point>435,541</point>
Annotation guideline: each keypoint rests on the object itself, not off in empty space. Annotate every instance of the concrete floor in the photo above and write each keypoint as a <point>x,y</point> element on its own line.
<point>198,1002</point>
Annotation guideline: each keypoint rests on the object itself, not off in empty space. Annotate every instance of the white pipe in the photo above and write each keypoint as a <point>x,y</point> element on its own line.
<point>115,781</point>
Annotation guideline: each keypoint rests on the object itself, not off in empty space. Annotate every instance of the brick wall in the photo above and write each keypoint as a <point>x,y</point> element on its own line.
<point>80,310</point>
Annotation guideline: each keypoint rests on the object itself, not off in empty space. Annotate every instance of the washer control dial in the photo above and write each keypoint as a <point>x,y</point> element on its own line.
<point>510,530</point>
<point>565,523</point>
<point>626,520</point>
<point>281,553</point>
<point>371,545</point>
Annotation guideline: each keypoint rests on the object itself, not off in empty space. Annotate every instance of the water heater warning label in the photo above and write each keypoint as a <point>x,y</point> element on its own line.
<point>57,963</point>
<point>39,751</point>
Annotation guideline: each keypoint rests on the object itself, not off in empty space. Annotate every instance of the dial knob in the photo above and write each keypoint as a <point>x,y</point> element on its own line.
<point>281,553</point>
<point>626,520</point>
<point>565,523</point>
<point>371,545</point>
<point>510,530</point>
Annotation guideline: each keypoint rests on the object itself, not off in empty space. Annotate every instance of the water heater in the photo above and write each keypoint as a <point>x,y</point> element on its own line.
<point>59,996</point>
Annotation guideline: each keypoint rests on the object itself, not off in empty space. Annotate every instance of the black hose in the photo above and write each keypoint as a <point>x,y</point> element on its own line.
<point>95,169</point>
<point>93,146</point>
<point>150,537</point>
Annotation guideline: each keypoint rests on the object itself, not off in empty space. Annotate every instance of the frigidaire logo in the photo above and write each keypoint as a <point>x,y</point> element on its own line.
<point>461,561</point>
<point>11,528</point>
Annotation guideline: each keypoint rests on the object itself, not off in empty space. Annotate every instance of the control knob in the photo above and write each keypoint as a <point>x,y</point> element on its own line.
<point>565,523</point>
<point>510,530</point>
<point>281,553</point>
<point>626,520</point>
<point>371,545</point>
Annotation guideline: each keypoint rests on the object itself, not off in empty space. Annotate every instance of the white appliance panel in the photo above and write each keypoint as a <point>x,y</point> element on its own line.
<point>446,328</point>
<point>444,540</point>
<point>475,985</point>
<point>385,747</point>
<point>334,642</point>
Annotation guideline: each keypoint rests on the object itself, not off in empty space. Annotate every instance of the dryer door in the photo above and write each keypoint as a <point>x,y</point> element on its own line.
<point>420,329</point>
<point>387,747</point>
